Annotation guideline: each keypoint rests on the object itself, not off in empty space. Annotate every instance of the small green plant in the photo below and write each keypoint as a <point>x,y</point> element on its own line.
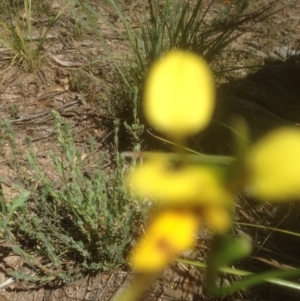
<point>82,225</point>
<point>79,22</point>
<point>14,112</point>
<point>79,27</point>
<point>17,33</point>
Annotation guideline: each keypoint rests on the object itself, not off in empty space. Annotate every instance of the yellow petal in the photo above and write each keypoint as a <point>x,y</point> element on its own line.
<point>148,257</point>
<point>179,94</point>
<point>274,166</point>
<point>190,183</point>
<point>171,232</point>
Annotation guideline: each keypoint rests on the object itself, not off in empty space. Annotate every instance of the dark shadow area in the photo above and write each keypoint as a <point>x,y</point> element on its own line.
<point>275,245</point>
<point>266,99</point>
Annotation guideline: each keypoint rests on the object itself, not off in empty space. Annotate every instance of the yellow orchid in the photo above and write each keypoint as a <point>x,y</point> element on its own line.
<point>179,94</point>
<point>179,99</point>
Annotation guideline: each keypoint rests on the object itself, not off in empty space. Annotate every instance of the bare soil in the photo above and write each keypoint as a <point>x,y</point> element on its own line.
<point>66,81</point>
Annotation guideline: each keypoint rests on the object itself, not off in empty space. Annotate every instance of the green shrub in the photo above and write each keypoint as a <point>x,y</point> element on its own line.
<point>82,226</point>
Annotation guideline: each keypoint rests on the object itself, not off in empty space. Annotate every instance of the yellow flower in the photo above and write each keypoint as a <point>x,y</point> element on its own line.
<point>186,184</point>
<point>274,166</point>
<point>170,233</point>
<point>179,94</point>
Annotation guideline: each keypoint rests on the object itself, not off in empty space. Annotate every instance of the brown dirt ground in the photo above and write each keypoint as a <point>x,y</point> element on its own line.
<point>26,99</point>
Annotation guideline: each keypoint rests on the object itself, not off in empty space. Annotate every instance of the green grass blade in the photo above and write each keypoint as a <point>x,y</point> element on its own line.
<point>270,277</point>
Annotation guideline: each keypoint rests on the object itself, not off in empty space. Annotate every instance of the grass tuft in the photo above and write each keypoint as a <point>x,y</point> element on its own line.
<point>17,33</point>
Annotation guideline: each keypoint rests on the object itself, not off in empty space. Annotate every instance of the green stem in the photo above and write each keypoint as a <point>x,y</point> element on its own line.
<point>198,158</point>
<point>253,279</point>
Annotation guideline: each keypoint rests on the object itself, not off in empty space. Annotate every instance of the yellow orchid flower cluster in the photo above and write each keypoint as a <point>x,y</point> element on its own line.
<point>179,101</point>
